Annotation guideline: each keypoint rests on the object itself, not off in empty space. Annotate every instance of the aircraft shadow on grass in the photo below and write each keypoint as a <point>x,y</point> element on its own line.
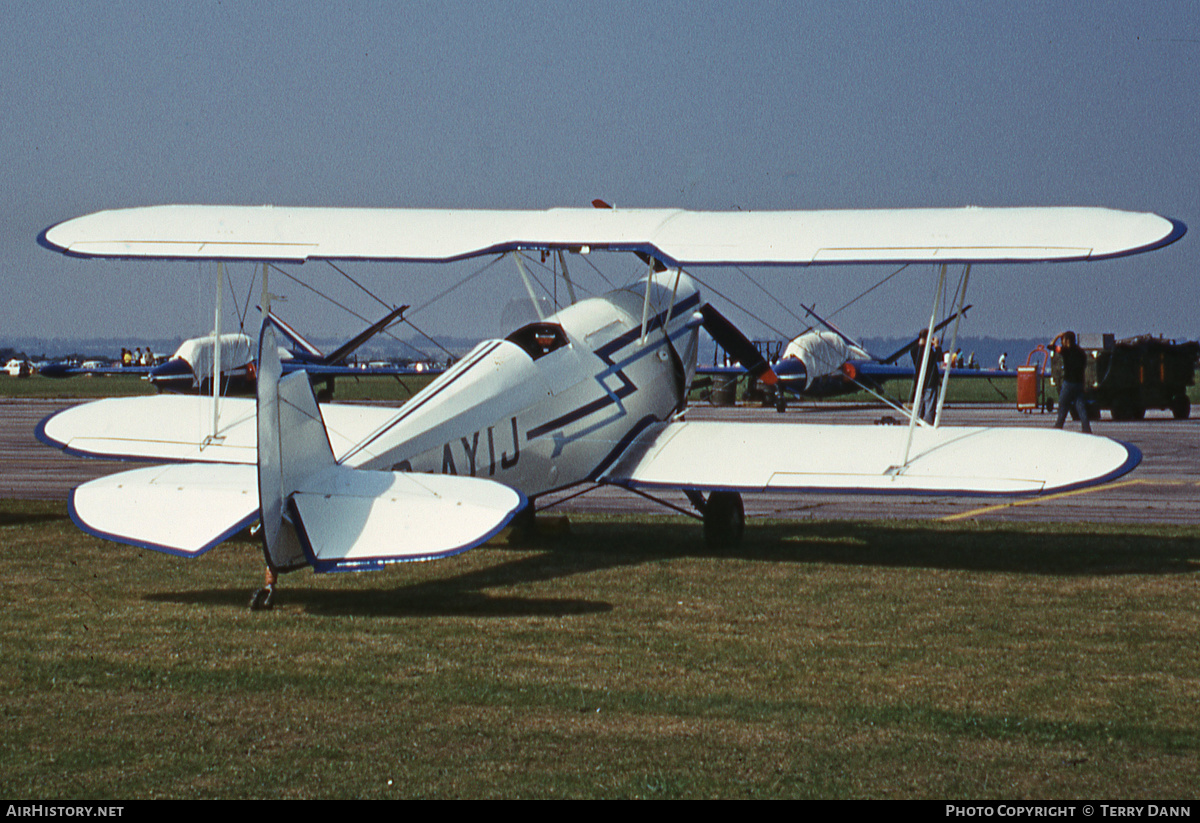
<point>591,548</point>
<point>31,518</point>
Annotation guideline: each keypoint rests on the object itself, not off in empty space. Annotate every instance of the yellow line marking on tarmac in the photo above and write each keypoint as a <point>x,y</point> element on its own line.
<point>1028,501</point>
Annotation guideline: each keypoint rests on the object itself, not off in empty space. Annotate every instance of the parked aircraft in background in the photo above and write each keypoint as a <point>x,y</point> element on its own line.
<point>825,363</point>
<point>593,394</point>
<point>189,370</point>
<point>17,367</point>
<point>90,368</point>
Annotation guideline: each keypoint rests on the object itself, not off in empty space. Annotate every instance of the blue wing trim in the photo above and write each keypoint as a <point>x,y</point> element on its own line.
<point>244,523</point>
<point>377,563</point>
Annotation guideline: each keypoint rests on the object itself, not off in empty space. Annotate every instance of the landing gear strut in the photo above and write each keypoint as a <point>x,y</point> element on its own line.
<point>263,599</point>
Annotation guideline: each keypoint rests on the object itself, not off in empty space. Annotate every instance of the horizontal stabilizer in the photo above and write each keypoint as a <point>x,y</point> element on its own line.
<point>183,509</point>
<point>176,428</point>
<point>789,457</point>
<point>347,519</point>
<point>352,520</point>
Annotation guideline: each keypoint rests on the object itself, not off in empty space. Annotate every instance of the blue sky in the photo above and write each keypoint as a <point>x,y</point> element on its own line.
<point>533,105</point>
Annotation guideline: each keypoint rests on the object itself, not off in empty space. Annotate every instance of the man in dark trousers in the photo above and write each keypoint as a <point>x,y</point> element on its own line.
<point>1074,363</point>
<point>927,403</point>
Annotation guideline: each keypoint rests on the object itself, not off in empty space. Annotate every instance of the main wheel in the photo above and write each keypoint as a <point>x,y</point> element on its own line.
<point>724,520</point>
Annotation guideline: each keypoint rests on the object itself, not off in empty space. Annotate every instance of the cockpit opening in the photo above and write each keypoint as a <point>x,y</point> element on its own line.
<point>539,339</point>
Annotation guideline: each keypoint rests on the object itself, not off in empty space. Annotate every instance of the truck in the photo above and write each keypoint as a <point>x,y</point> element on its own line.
<point>1129,376</point>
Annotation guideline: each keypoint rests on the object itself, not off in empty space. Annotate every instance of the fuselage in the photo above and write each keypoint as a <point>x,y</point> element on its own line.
<point>812,364</point>
<point>190,367</point>
<point>555,402</point>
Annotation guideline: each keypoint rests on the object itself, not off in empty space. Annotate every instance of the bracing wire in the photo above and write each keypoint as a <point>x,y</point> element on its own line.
<point>460,283</point>
<point>596,269</point>
<point>385,304</point>
<point>807,326</point>
<point>868,291</point>
<point>407,318</point>
<point>368,292</point>
<point>536,279</point>
<point>347,309</point>
<point>737,305</point>
<point>763,289</point>
<point>553,271</point>
<point>249,291</point>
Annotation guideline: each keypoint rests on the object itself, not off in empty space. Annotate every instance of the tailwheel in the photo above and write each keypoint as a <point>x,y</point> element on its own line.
<point>263,599</point>
<point>724,520</point>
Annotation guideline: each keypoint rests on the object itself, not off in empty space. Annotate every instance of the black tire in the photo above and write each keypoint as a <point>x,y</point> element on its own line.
<point>724,520</point>
<point>263,599</point>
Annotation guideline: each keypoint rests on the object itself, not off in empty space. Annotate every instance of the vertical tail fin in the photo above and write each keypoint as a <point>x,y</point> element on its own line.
<point>285,405</point>
<point>343,519</point>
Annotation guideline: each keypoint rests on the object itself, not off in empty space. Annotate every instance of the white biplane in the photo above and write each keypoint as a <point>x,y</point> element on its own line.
<point>594,394</point>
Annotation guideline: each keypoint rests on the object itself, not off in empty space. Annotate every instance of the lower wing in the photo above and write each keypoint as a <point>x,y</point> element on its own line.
<point>178,428</point>
<point>323,370</point>
<point>867,459</point>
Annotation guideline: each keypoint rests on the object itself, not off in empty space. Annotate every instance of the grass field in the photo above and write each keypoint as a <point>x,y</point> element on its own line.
<point>611,658</point>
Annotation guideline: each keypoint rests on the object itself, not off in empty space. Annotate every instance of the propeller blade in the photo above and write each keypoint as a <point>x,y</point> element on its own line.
<point>739,347</point>
<point>348,348</point>
<point>892,358</point>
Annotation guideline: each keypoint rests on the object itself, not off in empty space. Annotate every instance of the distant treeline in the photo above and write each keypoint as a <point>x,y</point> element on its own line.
<point>60,348</point>
<point>987,350</point>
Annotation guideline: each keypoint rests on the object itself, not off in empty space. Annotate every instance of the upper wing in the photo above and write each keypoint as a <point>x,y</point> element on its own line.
<point>788,457</point>
<point>684,238</point>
